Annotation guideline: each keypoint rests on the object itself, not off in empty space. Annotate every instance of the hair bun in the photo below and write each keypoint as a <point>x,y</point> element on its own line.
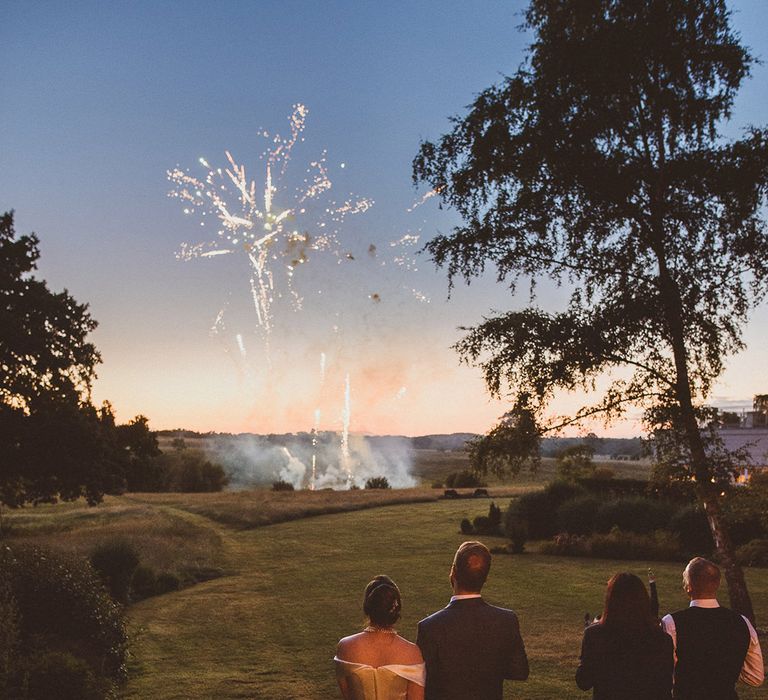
<point>382,602</point>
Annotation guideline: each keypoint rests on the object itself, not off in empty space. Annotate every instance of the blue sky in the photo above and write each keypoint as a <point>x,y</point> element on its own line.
<point>99,99</point>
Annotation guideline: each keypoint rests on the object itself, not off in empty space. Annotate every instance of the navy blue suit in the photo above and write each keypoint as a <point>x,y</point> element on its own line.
<point>469,648</point>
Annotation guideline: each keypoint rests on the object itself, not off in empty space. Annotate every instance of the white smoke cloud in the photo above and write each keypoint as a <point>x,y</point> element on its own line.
<point>252,460</point>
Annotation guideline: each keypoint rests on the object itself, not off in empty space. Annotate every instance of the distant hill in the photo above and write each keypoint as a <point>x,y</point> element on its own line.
<point>615,448</point>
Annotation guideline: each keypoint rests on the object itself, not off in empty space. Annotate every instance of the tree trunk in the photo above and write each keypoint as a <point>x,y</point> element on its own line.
<point>708,496</point>
<point>734,574</point>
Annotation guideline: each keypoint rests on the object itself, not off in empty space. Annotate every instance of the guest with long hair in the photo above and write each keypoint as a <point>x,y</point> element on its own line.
<point>626,655</point>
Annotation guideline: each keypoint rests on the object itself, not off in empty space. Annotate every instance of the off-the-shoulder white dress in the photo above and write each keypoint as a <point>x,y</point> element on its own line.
<point>383,683</point>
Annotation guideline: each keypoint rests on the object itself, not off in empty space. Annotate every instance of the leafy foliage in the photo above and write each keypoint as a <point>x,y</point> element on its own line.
<point>143,470</point>
<point>691,527</point>
<point>189,471</point>
<point>484,524</point>
<point>577,516</point>
<point>636,514</point>
<point>115,561</point>
<point>576,461</point>
<point>516,528</point>
<point>463,480</point>
<point>377,482</point>
<point>68,627</point>
<point>611,177</point>
<point>754,553</point>
<point>57,674</point>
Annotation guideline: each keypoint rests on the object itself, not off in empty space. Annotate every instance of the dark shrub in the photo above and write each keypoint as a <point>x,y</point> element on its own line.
<point>560,491</point>
<point>494,517</point>
<point>691,526</point>
<point>115,561</point>
<point>660,546</point>
<point>9,632</point>
<point>281,485</point>
<point>465,479</point>
<point>485,524</point>
<point>62,605</point>
<point>537,510</point>
<point>746,513</point>
<point>633,514</point>
<point>615,488</point>
<point>377,482</point>
<point>188,471</point>
<point>143,583</point>
<point>577,516</point>
<point>64,677</point>
<point>516,529</point>
<point>167,582</point>
<point>754,553</point>
<point>466,527</point>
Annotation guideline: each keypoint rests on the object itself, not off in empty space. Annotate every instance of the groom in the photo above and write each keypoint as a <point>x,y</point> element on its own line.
<point>470,647</point>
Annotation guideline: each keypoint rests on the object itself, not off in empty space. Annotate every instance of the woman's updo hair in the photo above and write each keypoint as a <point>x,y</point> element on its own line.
<point>382,603</point>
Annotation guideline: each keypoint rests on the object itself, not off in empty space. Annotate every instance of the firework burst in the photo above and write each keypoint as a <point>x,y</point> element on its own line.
<point>275,229</point>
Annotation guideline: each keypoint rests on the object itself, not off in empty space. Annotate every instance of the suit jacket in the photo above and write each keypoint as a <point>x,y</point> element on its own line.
<point>469,648</point>
<point>624,665</point>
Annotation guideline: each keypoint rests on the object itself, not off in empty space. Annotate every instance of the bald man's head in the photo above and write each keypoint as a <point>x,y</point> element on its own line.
<point>701,578</point>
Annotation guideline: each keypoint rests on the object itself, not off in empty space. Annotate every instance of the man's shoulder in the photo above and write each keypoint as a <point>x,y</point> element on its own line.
<point>434,617</point>
<point>498,610</point>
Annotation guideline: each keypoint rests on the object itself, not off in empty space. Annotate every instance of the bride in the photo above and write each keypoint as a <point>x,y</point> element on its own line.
<point>377,663</point>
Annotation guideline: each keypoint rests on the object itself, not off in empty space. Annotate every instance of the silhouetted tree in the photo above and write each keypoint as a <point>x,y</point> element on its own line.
<point>599,164</point>
<point>760,403</point>
<point>143,468</point>
<point>53,442</point>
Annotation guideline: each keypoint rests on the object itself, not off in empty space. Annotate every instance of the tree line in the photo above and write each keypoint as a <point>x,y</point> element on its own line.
<point>55,443</point>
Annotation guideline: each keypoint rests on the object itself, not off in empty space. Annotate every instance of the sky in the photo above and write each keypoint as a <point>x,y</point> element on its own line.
<point>99,100</point>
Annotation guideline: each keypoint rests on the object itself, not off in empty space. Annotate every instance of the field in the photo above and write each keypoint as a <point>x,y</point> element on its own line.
<point>268,627</point>
<point>435,465</point>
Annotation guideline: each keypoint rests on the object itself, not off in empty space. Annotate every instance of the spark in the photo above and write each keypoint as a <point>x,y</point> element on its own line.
<point>345,418</point>
<point>423,199</point>
<point>257,219</point>
<point>241,345</point>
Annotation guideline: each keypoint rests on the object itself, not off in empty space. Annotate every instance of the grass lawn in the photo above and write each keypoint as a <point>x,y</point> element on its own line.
<point>269,629</point>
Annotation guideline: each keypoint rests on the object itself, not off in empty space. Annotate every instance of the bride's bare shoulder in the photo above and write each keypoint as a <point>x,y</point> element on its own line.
<point>411,652</point>
<point>348,643</point>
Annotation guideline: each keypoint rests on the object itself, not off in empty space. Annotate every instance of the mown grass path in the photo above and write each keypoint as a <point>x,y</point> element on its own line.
<point>269,629</point>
